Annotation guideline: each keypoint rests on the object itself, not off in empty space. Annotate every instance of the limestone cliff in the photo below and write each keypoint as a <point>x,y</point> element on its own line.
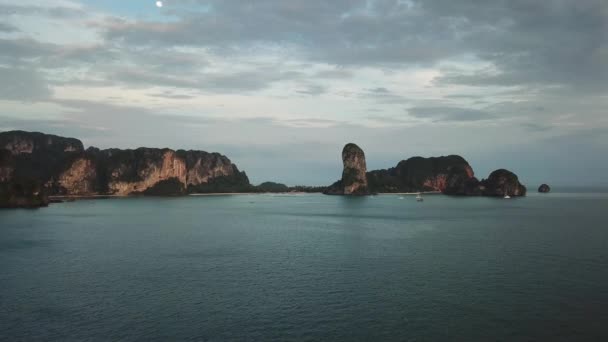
<point>125,172</point>
<point>502,182</point>
<point>18,142</point>
<point>63,167</point>
<point>212,172</point>
<point>422,174</point>
<point>79,178</point>
<point>354,178</point>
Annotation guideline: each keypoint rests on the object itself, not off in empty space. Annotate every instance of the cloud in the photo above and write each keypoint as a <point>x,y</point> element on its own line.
<point>379,90</point>
<point>310,122</point>
<point>60,9</point>
<point>383,95</point>
<point>7,28</point>
<point>172,96</point>
<point>338,32</point>
<point>23,85</point>
<point>449,114</point>
<point>23,48</point>
<point>536,127</point>
<point>532,43</point>
<point>313,90</point>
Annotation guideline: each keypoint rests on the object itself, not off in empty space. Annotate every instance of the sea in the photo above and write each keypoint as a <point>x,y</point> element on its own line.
<point>307,267</point>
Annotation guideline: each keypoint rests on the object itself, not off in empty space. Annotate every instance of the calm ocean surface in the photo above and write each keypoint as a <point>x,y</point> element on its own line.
<point>307,267</point>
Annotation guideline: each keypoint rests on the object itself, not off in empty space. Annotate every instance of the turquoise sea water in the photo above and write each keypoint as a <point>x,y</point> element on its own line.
<point>307,267</point>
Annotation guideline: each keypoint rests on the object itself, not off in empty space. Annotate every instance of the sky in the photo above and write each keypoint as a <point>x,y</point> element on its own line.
<point>281,86</point>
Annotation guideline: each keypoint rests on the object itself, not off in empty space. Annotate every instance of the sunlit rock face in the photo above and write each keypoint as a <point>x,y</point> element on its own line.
<point>354,178</point>
<point>203,166</point>
<point>62,167</point>
<point>80,178</point>
<point>354,175</point>
<point>134,171</point>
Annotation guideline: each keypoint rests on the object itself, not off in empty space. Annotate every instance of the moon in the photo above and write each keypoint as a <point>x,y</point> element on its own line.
<point>159,4</point>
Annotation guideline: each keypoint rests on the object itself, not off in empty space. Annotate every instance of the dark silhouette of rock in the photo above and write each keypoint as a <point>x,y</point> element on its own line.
<point>272,187</point>
<point>354,175</point>
<point>462,183</point>
<point>544,188</point>
<point>502,182</point>
<point>23,194</point>
<point>443,174</point>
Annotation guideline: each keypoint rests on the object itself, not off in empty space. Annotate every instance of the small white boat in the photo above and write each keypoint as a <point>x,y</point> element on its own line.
<point>419,198</point>
<point>506,195</point>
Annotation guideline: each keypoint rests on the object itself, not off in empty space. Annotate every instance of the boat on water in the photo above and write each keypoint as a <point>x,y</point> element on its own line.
<point>419,198</point>
<point>506,195</point>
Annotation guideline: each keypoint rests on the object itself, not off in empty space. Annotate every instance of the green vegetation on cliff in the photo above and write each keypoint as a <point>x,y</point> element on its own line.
<point>272,187</point>
<point>22,194</point>
<point>239,182</point>
<point>419,174</point>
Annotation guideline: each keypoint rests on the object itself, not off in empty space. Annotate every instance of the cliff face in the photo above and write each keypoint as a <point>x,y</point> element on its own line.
<point>125,172</point>
<point>354,178</point>
<point>422,174</point>
<point>63,167</point>
<point>18,142</point>
<point>80,178</point>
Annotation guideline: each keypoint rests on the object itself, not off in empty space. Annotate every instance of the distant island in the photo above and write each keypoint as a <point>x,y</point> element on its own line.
<point>36,168</point>
<point>451,175</point>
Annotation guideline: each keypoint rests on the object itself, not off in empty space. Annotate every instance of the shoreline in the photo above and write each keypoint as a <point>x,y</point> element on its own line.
<point>251,193</point>
<point>68,197</point>
<point>86,196</point>
<point>412,193</point>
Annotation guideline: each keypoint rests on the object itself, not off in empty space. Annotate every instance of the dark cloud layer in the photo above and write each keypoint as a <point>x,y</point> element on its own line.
<point>7,28</point>
<point>529,42</point>
<point>551,44</point>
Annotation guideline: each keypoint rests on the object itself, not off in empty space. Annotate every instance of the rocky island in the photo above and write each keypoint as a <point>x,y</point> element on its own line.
<point>544,189</point>
<point>354,174</point>
<point>34,166</point>
<point>451,175</point>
